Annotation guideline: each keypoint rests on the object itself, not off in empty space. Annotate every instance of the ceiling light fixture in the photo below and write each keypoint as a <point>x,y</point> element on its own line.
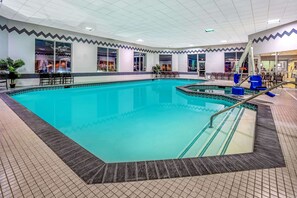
<point>273,21</point>
<point>191,45</point>
<point>224,41</point>
<point>89,29</point>
<point>139,40</point>
<point>209,30</point>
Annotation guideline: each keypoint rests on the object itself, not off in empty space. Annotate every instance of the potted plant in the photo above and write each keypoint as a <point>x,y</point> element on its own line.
<point>156,70</point>
<point>12,66</point>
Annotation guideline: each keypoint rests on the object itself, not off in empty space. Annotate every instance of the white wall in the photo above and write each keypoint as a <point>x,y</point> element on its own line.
<point>3,41</point>
<point>3,44</point>
<point>84,57</point>
<point>22,47</point>
<point>215,62</point>
<point>174,62</point>
<point>151,60</point>
<point>286,43</point>
<point>182,62</point>
<point>126,60</point>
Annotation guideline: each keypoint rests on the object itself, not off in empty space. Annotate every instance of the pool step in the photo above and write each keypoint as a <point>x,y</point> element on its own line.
<point>209,141</point>
<point>241,140</point>
<point>216,142</point>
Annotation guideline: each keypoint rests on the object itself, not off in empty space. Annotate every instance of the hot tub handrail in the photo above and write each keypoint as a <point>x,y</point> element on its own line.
<point>248,99</point>
<point>238,84</point>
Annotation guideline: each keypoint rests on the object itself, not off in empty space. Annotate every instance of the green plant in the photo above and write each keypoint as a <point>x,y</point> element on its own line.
<point>156,69</point>
<point>12,66</point>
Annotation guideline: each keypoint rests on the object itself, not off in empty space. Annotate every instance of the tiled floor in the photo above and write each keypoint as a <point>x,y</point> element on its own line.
<point>28,168</point>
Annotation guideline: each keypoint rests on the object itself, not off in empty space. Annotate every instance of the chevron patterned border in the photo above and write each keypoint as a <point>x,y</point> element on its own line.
<point>277,35</point>
<point>106,44</point>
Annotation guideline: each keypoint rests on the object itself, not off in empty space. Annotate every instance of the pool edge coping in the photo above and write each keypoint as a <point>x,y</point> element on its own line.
<point>93,170</point>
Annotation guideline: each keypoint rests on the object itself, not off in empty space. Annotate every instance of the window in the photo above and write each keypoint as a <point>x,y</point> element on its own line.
<point>231,58</point>
<point>196,63</point>
<point>44,56</point>
<point>63,57</point>
<point>49,52</point>
<point>107,59</point>
<point>165,62</point>
<point>192,62</point>
<point>201,59</point>
<point>139,61</point>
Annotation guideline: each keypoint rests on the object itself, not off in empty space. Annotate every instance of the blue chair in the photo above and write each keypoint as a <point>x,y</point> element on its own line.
<point>236,78</point>
<point>236,90</point>
<point>256,85</point>
<point>256,82</point>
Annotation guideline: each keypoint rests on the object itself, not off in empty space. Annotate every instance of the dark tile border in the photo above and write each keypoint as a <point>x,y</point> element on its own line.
<point>267,154</point>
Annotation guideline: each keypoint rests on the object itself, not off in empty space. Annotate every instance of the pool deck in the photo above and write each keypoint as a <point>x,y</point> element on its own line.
<point>29,168</point>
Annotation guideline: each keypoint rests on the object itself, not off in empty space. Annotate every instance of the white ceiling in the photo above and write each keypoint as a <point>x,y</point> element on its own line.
<point>159,23</point>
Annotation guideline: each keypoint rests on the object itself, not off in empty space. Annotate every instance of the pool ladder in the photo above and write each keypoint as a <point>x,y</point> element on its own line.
<point>248,99</point>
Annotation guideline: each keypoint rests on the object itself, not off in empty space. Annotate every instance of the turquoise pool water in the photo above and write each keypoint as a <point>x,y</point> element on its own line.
<point>131,121</point>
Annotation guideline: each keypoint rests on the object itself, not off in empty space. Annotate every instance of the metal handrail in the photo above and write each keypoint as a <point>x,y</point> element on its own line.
<point>238,84</point>
<point>248,99</point>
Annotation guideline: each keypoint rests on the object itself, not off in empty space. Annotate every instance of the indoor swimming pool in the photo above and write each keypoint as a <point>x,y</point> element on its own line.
<point>135,121</point>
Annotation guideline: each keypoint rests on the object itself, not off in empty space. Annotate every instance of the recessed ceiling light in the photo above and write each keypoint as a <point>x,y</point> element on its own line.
<point>89,29</point>
<point>224,41</point>
<point>191,45</point>
<point>139,40</point>
<point>272,21</point>
<point>209,30</point>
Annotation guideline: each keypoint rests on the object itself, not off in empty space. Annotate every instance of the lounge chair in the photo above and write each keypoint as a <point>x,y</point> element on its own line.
<point>45,79</point>
<point>68,78</point>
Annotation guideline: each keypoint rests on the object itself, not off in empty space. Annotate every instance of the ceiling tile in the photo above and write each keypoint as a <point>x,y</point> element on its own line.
<point>158,22</point>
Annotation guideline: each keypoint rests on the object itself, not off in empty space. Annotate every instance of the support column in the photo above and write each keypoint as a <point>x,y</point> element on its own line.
<point>275,62</point>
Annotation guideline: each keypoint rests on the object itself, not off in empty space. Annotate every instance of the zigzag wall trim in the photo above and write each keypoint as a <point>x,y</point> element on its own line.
<point>101,43</point>
<point>271,36</point>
